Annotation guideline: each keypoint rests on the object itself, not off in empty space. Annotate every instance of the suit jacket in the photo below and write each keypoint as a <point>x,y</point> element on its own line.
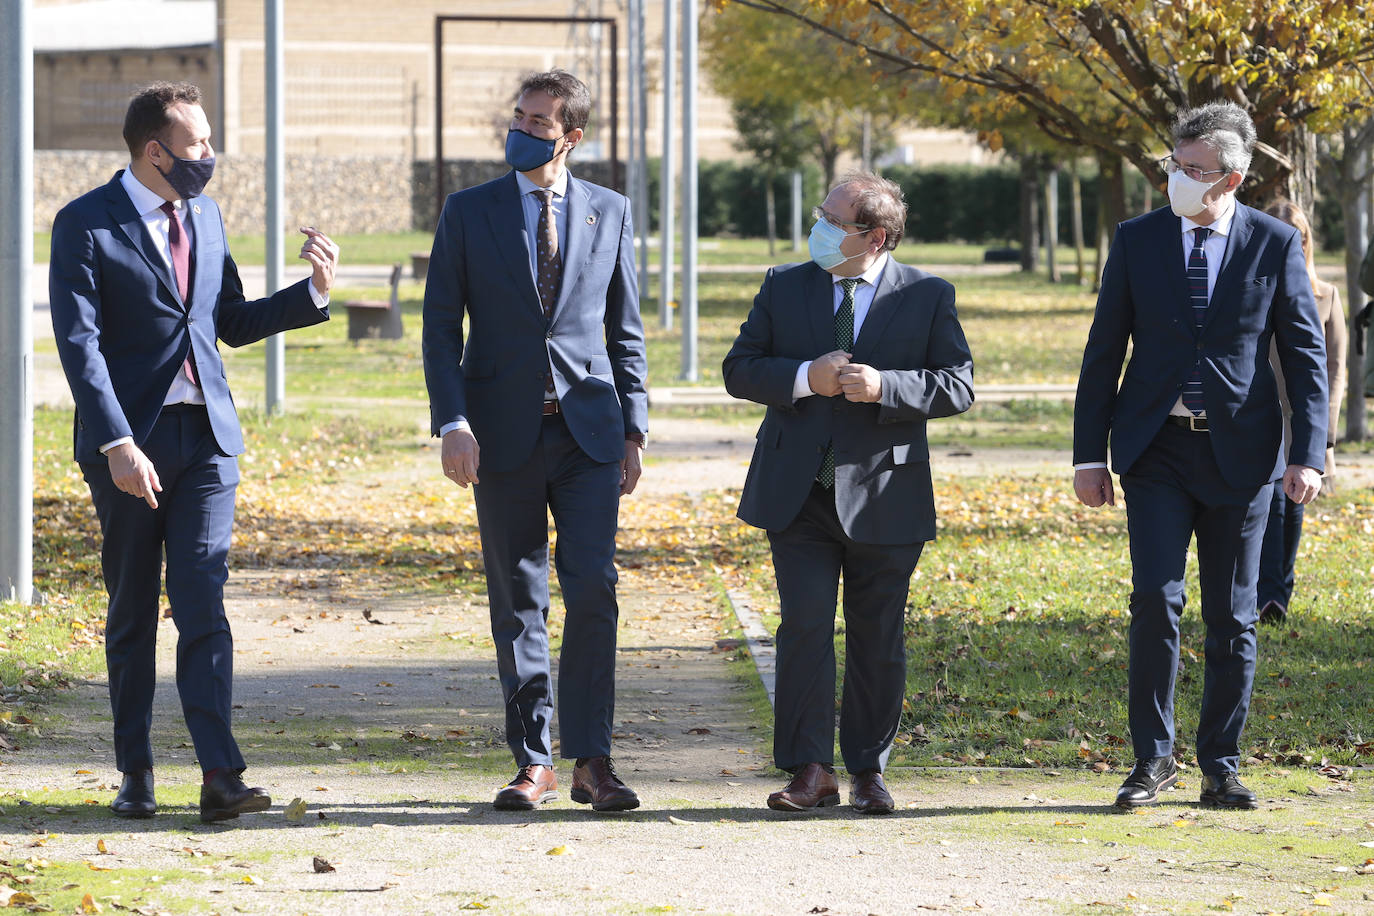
<point>123,331</point>
<point>1262,293</point>
<point>594,339</point>
<point>882,462</point>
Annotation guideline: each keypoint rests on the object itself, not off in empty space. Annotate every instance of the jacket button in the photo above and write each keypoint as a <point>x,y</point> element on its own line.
<point>549,336</point>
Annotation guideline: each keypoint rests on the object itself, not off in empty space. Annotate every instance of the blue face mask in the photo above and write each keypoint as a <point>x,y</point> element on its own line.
<point>188,177</point>
<point>526,152</point>
<point>825,241</point>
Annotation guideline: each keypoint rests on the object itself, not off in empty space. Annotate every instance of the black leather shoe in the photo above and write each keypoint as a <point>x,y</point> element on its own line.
<point>1226,791</point>
<point>1148,778</point>
<point>1273,612</point>
<point>135,796</point>
<point>225,797</point>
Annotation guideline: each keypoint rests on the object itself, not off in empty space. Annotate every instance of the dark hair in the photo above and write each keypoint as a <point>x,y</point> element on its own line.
<point>1222,126</point>
<point>147,118</point>
<point>560,84</point>
<point>878,204</point>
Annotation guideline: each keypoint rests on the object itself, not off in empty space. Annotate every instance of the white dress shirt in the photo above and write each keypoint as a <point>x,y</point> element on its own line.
<point>1214,246</point>
<point>148,205</point>
<point>863,299</point>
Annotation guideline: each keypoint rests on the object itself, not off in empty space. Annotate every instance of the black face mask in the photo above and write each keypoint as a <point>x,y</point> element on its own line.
<point>188,177</point>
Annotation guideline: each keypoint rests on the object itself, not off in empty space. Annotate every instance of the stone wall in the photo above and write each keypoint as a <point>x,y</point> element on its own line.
<point>343,195</point>
<point>339,194</point>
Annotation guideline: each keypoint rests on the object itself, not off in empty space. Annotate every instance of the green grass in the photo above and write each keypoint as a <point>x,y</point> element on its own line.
<point>1016,635</point>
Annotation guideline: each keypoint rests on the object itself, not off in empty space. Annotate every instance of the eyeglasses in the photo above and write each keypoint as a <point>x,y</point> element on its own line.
<point>1170,165</point>
<point>819,213</point>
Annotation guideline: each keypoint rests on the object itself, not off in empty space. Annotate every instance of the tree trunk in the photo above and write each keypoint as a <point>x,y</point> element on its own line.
<point>1111,193</point>
<point>1052,223</point>
<point>1299,145</point>
<point>1030,212</point>
<point>1356,204</point>
<point>1076,219</point>
<point>772,215</point>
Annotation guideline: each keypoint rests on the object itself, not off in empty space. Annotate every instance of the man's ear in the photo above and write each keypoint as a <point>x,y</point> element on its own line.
<point>573,137</point>
<point>880,234</point>
<point>1234,180</point>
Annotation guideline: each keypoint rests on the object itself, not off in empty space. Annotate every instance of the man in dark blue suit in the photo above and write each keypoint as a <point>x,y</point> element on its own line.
<point>1199,290</point>
<point>142,286</point>
<point>545,399</point>
<point>852,352</point>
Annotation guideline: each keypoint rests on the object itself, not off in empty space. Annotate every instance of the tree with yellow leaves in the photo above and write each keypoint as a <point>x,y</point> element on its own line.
<point>1299,67</point>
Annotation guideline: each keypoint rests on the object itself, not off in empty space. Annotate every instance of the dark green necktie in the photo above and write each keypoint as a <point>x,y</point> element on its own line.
<point>844,340</point>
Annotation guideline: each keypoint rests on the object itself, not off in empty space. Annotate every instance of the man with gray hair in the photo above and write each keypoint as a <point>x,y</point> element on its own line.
<point>1199,289</point>
<point>852,352</point>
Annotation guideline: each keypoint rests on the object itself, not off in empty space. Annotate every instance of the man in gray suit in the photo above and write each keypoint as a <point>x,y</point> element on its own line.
<point>545,398</point>
<point>852,352</point>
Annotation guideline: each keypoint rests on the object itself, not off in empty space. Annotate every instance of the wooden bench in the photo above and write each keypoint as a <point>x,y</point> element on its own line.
<point>377,319</point>
<point>419,265</point>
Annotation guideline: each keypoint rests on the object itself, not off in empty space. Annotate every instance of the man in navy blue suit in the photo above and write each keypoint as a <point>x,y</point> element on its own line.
<point>545,399</point>
<point>1199,289</point>
<point>142,286</point>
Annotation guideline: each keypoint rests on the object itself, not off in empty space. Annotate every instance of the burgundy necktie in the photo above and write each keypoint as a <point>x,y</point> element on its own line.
<point>550,263</point>
<point>180,250</point>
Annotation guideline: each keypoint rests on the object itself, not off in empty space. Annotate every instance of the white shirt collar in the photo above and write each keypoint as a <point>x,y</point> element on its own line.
<point>1221,226</point>
<point>870,276</point>
<point>559,186</point>
<point>144,200</point>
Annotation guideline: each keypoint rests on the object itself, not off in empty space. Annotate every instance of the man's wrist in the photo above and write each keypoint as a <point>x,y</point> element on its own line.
<point>639,439</point>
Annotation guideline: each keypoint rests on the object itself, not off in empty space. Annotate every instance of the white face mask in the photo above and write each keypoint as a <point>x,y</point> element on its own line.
<point>1185,194</point>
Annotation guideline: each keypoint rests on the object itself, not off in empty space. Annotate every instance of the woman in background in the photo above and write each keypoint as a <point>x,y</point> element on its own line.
<point>1281,537</point>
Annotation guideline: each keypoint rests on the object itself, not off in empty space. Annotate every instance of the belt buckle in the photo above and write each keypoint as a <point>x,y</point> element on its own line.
<point>1193,424</point>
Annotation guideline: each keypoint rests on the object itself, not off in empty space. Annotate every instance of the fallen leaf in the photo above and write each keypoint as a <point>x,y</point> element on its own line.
<point>93,867</point>
<point>251,879</point>
<point>367,615</point>
<point>557,851</point>
<point>295,811</point>
<point>321,866</point>
<point>101,848</point>
<point>679,821</point>
<point>88,905</point>
<point>10,897</point>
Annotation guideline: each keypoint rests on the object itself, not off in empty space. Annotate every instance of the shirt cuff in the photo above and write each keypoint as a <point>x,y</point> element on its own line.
<point>105,449</point>
<point>638,439</point>
<point>1090,465</point>
<point>450,427</point>
<point>801,386</point>
<point>320,299</point>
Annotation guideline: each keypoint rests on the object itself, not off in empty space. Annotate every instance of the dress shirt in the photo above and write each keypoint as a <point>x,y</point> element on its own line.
<point>863,299</point>
<point>148,205</point>
<point>1214,246</point>
<point>529,209</point>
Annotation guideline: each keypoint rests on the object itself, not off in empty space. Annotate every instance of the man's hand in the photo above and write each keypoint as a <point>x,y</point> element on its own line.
<point>323,255</point>
<point>823,375</point>
<point>860,382</point>
<point>631,466</point>
<point>133,473</point>
<point>460,457</point>
<point>1093,487</point>
<point>1301,484</point>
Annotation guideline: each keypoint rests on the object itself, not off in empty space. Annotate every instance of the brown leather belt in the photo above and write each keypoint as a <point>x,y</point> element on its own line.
<point>551,408</point>
<point>1196,424</point>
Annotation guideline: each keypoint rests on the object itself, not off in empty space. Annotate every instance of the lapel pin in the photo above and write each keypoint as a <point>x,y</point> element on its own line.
<point>195,208</point>
<point>591,221</point>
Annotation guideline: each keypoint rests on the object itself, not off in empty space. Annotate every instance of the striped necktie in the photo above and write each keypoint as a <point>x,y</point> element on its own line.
<point>844,340</point>
<point>1197,294</point>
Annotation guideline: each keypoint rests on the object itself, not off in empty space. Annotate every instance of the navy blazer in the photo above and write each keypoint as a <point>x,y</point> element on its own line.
<point>912,336</point>
<point>494,376</point>
<point>123,331</point>
<point>1262,293</point>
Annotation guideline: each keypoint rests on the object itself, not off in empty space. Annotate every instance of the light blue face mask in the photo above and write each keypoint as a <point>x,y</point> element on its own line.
<point>825,241</point>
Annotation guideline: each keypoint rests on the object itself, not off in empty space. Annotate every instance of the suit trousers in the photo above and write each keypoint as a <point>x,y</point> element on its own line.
<point>1173,491</point>
<point>1279,555</point>
<point>512,514</point>
<point>192,524</point>
<point>809,557</point>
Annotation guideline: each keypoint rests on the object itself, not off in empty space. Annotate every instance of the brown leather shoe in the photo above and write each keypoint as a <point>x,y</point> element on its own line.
<point>868,793</point>
<point>813,786</point>
<point>595,784</point>
<point>533,785</point>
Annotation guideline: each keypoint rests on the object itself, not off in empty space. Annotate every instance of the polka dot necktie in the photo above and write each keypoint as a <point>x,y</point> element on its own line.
<point>1197,294</point>
<point>844,340</point>
<point>549,259</point>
